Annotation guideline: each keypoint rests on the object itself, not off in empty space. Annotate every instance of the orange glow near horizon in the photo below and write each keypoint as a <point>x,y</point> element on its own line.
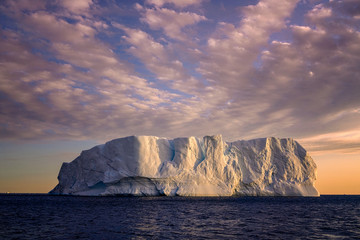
<point>338,173</point>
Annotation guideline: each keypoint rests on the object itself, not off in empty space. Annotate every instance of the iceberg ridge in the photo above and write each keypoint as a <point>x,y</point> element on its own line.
<point>153,166</point>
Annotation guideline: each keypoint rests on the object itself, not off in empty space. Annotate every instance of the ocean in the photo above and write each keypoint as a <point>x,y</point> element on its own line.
<point>69,217</point>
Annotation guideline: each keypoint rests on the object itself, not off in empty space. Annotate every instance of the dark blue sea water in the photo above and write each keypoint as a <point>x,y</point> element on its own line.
<point>61,217</point>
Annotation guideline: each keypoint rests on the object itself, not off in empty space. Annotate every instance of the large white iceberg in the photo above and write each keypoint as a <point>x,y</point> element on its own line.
<point>153,166</point>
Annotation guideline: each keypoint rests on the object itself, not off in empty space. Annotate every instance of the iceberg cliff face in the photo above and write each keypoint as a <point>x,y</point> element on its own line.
<point>152,166</point>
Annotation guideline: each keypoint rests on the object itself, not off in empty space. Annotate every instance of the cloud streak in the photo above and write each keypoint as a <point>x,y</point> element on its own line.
<point>170,21</point>
<point>78,71</point>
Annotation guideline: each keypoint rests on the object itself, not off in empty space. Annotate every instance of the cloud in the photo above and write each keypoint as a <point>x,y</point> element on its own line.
<point>11,7</point>
<point>77,7</point>
<point>153,54</point>
<point>315,75</point>
<point>76,71</point>
<point>170,21</point>
<point>84,88</point>
<point>233,50</point>
<point>159,59</point>
<point>343,142</point>
<point>176,3</point>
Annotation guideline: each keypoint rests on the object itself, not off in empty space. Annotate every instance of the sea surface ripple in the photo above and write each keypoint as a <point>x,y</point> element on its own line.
<point>70,217</point>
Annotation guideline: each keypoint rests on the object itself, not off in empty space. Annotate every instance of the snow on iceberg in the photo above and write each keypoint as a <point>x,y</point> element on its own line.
<point>153,166</point>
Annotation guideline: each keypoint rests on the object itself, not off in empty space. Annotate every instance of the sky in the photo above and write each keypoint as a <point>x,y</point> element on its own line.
<point>74,74</point>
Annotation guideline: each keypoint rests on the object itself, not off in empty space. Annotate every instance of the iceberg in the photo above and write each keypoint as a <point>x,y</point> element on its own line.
<point>208,166</point>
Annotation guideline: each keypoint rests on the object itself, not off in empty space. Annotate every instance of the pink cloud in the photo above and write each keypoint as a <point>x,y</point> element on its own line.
<point>78,6</point>
<point>176,3</point>
<point>58,71</point>
<point>157,58</point>
<point>232,50</point>
<point>170,21</point>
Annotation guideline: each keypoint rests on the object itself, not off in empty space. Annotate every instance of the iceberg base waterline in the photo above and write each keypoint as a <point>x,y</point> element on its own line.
<point>153,166</point>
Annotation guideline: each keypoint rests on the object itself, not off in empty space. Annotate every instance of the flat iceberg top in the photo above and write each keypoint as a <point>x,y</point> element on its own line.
<point>208,166</point>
